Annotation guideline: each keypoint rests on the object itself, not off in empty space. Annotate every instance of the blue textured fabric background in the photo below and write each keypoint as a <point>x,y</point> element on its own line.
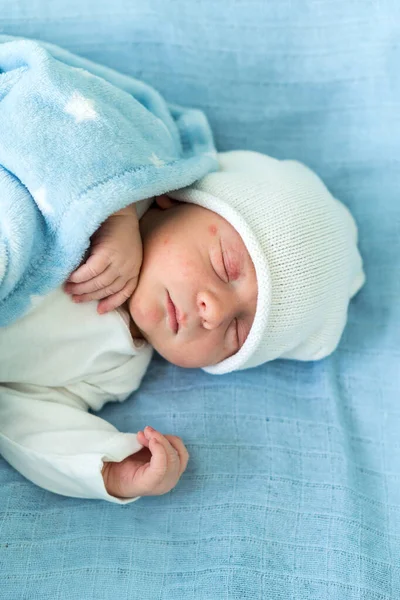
<point>293,488</point>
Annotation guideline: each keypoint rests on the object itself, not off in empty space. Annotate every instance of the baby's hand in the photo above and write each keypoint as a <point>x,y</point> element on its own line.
<point>152,471</point>
<point>111,272</point>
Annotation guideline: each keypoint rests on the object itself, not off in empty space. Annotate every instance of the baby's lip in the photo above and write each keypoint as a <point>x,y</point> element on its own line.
<point>172,314</point>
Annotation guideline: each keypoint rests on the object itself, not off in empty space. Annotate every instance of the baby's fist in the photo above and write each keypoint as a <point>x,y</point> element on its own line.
<point>152,471</point>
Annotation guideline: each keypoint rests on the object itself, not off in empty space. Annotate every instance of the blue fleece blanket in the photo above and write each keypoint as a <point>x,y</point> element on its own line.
<point>77,143</point>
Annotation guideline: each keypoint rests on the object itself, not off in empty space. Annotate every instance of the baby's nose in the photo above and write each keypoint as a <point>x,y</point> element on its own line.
<point>212,309</point>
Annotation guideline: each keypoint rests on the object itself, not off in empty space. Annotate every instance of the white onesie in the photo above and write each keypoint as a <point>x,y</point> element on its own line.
<point>56,362</point>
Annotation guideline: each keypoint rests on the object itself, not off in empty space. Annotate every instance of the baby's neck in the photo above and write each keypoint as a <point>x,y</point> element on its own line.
<point>135,331</point>
<point>133,328</point>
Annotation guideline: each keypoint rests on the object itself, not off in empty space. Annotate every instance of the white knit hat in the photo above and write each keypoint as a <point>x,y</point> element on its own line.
<point>303,243</point>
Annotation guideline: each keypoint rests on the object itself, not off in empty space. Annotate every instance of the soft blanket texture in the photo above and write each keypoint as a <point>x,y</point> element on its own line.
<point>293,487</point>
<point>77,143</point>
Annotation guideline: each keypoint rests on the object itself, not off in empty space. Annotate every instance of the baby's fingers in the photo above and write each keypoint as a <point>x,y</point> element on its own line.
<point>95,265</point>
<point>180,447</point>
<point>172,454</point>
<point>93,289</point>
<point>117,299</point>
<point>153,477</point>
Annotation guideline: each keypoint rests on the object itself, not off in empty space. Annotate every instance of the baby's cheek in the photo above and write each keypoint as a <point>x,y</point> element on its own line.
<point>145,315</point>
<point>154,315</point>
<point>186,277</point>
<point>200,353</point>
<point>187,269</point>
<point>176,260</point>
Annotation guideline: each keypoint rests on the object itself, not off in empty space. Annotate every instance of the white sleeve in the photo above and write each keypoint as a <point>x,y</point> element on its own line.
<point>48,436</point>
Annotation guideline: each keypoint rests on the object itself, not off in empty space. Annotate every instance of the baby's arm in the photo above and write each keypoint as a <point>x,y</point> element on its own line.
<point>110,274</point>
<point>48,436</point>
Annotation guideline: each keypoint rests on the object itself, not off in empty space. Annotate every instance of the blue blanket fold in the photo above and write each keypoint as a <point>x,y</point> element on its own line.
<point>78,142</point>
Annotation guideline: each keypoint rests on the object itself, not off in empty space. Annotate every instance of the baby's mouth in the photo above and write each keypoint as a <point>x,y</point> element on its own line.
<point>171,313</point>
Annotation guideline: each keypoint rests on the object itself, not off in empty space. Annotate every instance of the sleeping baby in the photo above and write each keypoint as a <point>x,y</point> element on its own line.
<point>253,262</point>
<point>220,262</point>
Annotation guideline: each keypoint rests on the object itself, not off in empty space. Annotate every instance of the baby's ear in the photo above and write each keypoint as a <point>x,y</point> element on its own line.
<point>165,202</point>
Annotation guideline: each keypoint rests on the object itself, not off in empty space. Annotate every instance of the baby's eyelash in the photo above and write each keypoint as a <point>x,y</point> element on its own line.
<point>223,262</point>
<point>237,333</point>
<point>225,269</point>
<point>232,267</point>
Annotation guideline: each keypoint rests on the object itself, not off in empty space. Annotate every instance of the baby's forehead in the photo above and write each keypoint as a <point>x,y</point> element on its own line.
<point>214,227</point>
<point>215,222</point>
<point>220,225</point>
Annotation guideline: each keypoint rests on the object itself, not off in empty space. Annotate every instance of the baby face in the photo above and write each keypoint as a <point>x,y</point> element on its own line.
<point>196,297</point>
